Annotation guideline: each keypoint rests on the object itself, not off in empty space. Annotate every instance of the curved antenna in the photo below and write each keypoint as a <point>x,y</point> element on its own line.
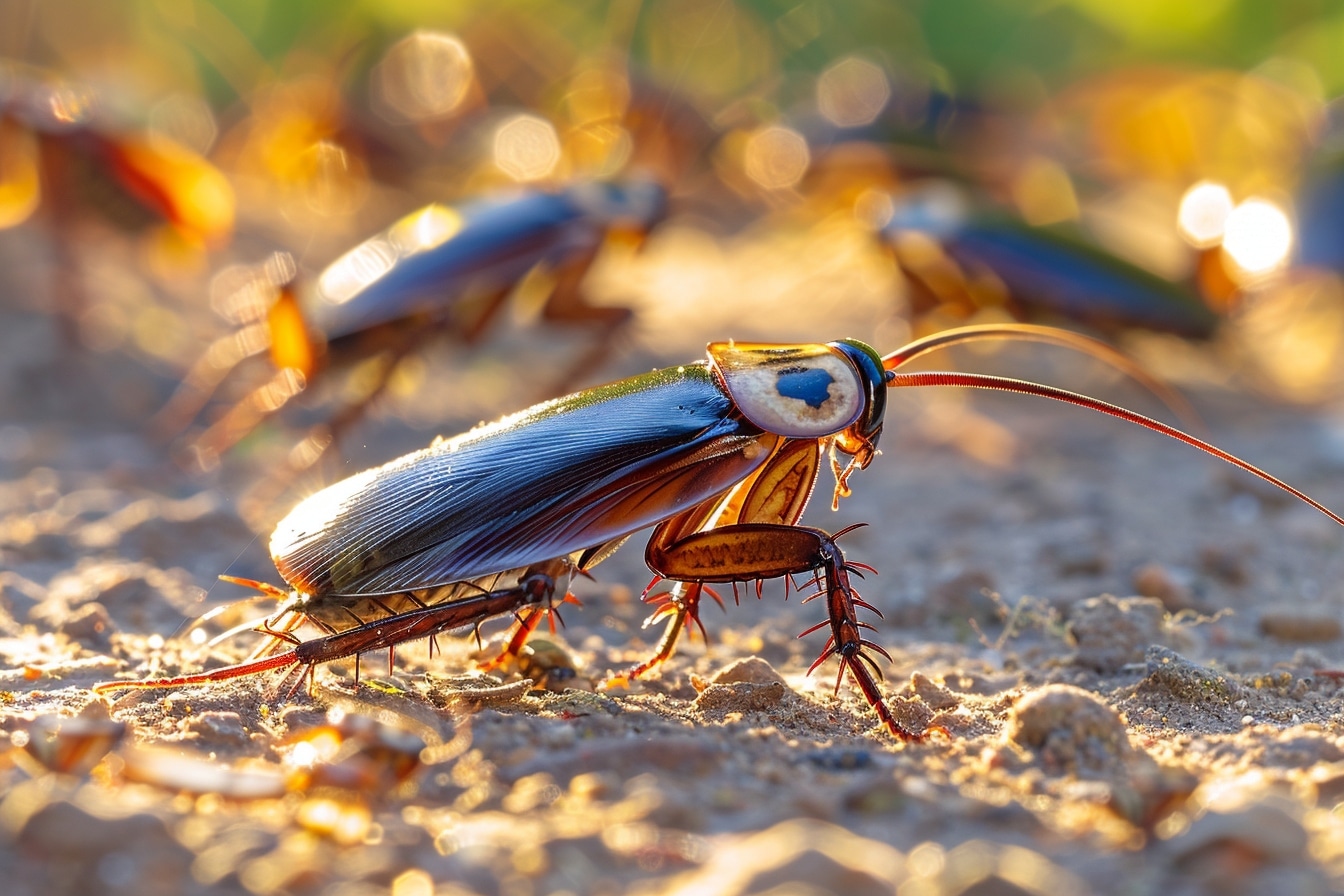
<point>1094,348</point>
<point>1006,384</point>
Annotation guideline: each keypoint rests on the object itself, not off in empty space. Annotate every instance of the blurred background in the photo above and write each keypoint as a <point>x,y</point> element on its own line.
<point>278,206</point>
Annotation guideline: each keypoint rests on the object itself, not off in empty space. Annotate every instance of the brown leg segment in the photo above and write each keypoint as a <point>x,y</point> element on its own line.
<point>754,551</point>
<point>567,304</point>
<point>535,590</point>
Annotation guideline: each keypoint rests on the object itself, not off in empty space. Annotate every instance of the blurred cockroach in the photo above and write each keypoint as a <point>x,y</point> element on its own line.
<point>60,155</point>
<point>1039,270</point>
<point>442,267</point>
<point>720,456</point>
<point>54,135</point>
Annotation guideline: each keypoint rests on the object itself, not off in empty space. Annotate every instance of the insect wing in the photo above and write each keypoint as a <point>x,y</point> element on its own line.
<point>435,255</point>
<point>557,478</point>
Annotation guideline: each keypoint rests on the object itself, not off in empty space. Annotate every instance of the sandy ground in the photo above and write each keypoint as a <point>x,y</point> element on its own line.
<point>1091,740</point>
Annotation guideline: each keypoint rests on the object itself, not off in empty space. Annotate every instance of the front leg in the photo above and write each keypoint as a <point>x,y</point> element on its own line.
<point>753,551</point>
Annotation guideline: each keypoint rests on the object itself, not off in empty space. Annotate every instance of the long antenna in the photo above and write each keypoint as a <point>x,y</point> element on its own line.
<point>1094,348</point>
<point>1006,384</point>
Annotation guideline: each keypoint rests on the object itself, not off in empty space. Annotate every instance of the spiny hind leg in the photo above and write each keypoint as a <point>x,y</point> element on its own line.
<point>756,551</point>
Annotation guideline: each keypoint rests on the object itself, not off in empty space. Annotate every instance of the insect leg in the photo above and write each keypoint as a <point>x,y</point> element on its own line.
<point>776,495</point>
<point>567,304</point>
<point>526,625</point>
<point>754,551</point>
<point>535,588</point>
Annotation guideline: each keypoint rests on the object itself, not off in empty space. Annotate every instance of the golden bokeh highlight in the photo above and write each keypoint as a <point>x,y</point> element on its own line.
<point>526,148</point>
<point>20,179</point>
<point>1043,193</point>
<point>1259,237</point>
<point>776,157</point>
<point>425,76</point>
<point>1178,125</point>
<point>1203,213</point>
<point>185,119</point>
<point>597,143</point>
<point>852,92</point>
<point>329,179</point>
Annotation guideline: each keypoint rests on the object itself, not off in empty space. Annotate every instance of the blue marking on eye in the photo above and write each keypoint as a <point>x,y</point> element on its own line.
<point>809,384</point>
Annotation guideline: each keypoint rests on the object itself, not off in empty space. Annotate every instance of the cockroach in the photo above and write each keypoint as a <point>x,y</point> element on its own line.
<point>1042,270</point>
<point>56,136</point>
<point>62,157</point>
<point>442,267</point>
<point>719,456</point>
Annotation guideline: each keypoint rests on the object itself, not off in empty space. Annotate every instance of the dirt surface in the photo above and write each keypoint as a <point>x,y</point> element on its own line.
<point>1083,738</point>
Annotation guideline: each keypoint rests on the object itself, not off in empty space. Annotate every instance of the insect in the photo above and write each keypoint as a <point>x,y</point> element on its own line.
<point>54,134</point>
<point>439,267</point>
<point>1041,269</point>
<point>719,456</point>
<point>61,158</point>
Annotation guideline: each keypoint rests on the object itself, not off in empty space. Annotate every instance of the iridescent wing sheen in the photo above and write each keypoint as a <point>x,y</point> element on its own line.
<point>560,477</point>
<point>434,256</point>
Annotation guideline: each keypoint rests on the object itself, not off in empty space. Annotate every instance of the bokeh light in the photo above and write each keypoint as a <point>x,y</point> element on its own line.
<point>597,143</point>
<point>329,179</point>
<point>776,157</point>
<point>1259,237</point>
<point>20,181</point>
<point>1044,193</point>
<point>1203,213</point>
<point>425,76</point>
<point>527,148</point>
<point>185,119</point>
<point>852,92</point>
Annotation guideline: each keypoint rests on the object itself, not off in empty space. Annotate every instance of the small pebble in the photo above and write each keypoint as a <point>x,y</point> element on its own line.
<point>742,696</point>
<point>841,759</point>
<point>1155,580</point>
<point>1262,833</point>
<point>798,855</point>
<point>1172,673</point>
<point>1069,728</point>
<point>216,726</point>
<point>1110,632</point>
<point>1077,558</point>
<point>1301,624</point>
<point>932,693</point>
<point>980,868</point>
<point>751,669</point>
<point>89,625</point>
<point>965,597</point>
<point>1226,564</point>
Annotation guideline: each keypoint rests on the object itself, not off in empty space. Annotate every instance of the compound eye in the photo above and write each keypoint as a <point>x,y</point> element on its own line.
<point>796,391</point>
